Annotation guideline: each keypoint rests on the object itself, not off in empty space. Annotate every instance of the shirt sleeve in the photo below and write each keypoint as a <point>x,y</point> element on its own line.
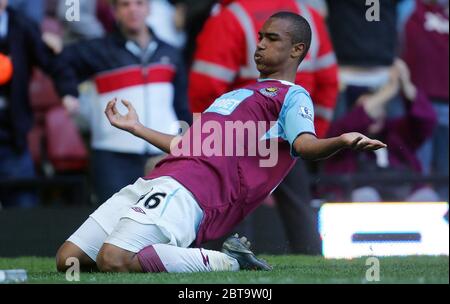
<point>297,116</point>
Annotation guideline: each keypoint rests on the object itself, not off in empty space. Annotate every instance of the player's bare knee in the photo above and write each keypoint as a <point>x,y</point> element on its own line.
<point>62,255</point>
<point>61,264</point>
<point>107,263</point>
<point>111,259</point>
<point>69,251</point>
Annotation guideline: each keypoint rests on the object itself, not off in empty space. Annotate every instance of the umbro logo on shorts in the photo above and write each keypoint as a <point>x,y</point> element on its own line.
<point>138,210</point>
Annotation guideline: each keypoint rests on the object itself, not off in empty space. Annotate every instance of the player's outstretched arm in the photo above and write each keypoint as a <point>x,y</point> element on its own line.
<point>310,147</point>
<point>130,123</point>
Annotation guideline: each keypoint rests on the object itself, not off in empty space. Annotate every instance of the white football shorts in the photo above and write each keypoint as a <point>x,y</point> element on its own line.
<point>147,212</point>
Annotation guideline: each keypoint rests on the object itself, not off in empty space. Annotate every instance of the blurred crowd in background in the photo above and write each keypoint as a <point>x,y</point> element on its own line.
<point>379,69</point>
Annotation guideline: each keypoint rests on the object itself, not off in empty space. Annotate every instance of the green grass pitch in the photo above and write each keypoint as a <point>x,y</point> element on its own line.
<point>287,270</point>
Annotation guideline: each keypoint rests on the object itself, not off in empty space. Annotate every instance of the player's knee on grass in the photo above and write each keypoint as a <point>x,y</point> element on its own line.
<point>69,250</point>
<point>114,259</point>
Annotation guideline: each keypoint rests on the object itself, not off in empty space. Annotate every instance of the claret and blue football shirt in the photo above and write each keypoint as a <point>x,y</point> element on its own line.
<point>230,171</point>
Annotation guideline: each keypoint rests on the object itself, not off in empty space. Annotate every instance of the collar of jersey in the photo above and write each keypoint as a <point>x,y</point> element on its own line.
<point>282,81</point>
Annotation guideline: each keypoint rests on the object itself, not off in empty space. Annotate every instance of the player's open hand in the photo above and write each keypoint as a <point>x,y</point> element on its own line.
<point>128,122</point>
<point>358,141</point>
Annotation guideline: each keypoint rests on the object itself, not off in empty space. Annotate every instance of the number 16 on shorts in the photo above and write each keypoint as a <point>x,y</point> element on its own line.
<point>150,200</point>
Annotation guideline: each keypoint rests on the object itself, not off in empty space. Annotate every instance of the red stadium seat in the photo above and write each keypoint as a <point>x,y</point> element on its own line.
<point>42,93</point>
<point>42,97</point>
<point>65,147</point>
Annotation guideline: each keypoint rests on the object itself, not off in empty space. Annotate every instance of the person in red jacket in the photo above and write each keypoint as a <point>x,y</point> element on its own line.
<point>223,61</point>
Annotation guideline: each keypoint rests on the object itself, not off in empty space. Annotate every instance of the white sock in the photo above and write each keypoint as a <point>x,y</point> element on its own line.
<point>177,259</point>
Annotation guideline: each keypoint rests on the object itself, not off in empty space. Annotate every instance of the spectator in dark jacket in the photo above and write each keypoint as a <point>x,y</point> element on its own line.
<point>33,9</point>
<point>365,38</point>
<point>21,41</point>
<point>403,135</point>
